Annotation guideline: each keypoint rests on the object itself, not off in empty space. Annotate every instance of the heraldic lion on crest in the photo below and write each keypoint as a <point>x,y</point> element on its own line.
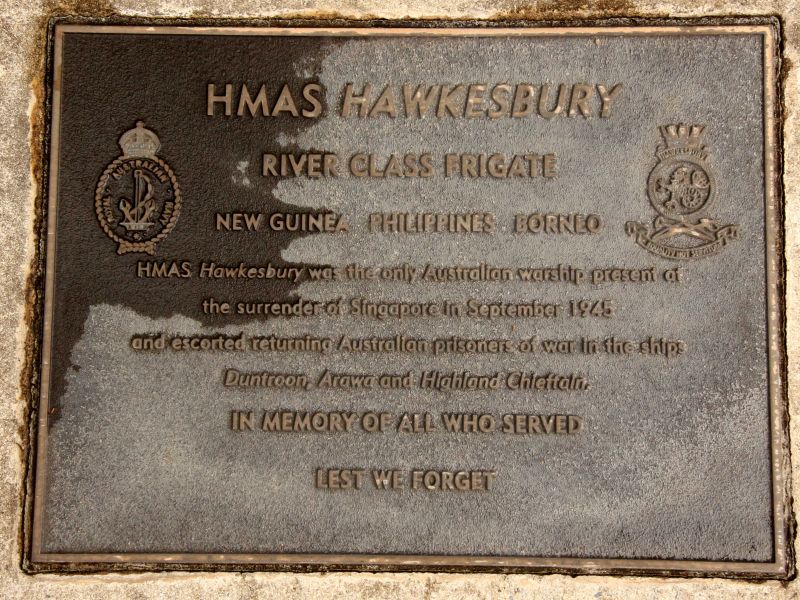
<point>681,189</point>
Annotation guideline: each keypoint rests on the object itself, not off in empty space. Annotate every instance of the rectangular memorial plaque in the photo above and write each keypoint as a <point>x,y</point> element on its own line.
<point>424,298</point>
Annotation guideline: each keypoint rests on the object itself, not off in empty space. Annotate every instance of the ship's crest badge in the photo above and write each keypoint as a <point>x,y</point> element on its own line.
<point>682,190</point>
<point>138,199</point>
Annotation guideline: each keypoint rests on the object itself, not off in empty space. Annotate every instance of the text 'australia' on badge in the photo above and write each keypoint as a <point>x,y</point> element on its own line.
<point>138,199</point>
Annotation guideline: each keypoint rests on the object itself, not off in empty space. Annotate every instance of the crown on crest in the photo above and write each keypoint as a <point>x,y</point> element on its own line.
<point>683,140</point>
<point>686,136</point>
<point>139,142</point>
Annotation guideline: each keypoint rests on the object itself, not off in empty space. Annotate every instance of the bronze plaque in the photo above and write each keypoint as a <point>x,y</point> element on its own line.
<point>444,297</point>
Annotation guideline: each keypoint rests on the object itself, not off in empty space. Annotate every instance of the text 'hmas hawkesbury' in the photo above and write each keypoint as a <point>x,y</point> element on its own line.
<point>416,100</point>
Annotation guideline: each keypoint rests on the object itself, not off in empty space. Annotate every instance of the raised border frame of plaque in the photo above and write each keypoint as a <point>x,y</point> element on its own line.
<point>35,560</point>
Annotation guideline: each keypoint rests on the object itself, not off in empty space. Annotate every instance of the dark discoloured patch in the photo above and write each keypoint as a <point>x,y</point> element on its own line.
<point>87,8</point>
<point>109,82</point>
<point>573,9</point>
